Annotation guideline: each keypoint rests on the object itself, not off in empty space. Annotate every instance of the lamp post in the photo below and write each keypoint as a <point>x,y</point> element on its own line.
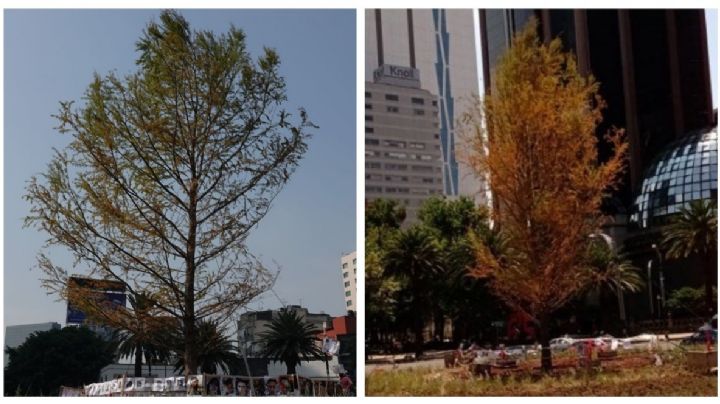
<point>662,277</point>
<point>650,293</point>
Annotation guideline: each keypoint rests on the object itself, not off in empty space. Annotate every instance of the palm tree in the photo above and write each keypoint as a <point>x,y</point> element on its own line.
<point>290,340</point>
<point>384,213</point>
<point>414,256</point>
<point>612,270</point>
<point>612,274</point>
<point>140,337</point>
<point>694,231</point>
<point>214,348</point>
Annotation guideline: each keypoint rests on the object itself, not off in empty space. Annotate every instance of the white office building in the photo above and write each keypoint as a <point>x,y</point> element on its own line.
<point>348,264</point>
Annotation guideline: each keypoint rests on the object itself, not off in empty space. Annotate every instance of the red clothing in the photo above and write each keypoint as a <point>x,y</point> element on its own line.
<point>345,383</point>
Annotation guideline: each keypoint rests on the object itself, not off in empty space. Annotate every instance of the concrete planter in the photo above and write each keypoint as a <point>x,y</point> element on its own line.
<point>701,361</point>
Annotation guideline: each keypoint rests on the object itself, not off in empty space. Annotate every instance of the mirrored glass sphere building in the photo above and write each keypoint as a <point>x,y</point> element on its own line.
<point>684,171</point>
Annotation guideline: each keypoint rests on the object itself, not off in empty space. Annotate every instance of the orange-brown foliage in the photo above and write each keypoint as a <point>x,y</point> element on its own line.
<point>537,146</point>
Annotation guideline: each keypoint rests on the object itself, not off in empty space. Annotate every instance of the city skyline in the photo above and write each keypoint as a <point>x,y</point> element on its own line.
<point>41,63</point>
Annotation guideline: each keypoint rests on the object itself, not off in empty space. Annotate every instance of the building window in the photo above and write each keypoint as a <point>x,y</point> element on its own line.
<point>391,97</point>
<point>396,155</point>
<point>394,143</point>
<point>348,293</point>
<point>368,106</point>
<point>344,265</point>
<point>418,101</point>
<point>400,167</point>
<point>418,112</point>
<point>369,118</point>
<point>367,94</point>
<point>416,145</point>
<point>347,284</point>
<point>372,164</point>
<point>369,130</point>
<point>434,103</point>
<point>392,109</point>
<point>349,303</point>
<point>345,274</point>
<point>354,260</point>
<point>372,142</point>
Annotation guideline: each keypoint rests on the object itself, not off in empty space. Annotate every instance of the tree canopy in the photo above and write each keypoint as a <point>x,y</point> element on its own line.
<point>47,360</point>
<point>291,340</point>
<point>694,231</point>
<point>167,171</point>
<point>535,139</point>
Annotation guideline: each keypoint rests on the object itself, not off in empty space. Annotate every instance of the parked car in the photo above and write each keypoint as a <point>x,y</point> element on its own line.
<point>561,344</point>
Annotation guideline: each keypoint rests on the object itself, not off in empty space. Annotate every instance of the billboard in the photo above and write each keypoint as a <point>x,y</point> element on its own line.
<point>112,292</point>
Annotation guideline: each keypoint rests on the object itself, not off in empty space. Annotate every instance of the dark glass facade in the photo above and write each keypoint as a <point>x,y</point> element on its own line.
<point>652,66</point>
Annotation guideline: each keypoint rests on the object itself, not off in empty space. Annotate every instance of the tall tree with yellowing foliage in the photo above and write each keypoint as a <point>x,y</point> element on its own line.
<point>535,141</point>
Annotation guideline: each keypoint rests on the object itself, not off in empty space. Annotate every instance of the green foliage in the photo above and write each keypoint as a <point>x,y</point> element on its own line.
<point>168,170</point>
<point>452,219</point>
<point>142,340</point>
<point>422,270</point>
<point>384,213</point>
<point>612,271</point>
<point>47,360</point>
<point>694,232</point>
<point>290,340</point>
<point>380,289</point>
<point>214,348</point>
<point>689,301</point>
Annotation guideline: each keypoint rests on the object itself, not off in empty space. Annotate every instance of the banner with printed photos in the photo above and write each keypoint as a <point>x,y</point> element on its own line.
<point>206,385</point>
<point>138,386</point>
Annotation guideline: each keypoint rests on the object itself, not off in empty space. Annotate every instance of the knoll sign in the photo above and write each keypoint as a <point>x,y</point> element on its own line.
<point>397,75</point>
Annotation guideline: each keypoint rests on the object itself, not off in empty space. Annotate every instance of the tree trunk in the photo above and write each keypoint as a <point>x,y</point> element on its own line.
<point>290,368</point>
<point>138,360</point>
<point>419,325</point>
<point>190,353</point>
<point>544,338</point>
<point>710,265</point>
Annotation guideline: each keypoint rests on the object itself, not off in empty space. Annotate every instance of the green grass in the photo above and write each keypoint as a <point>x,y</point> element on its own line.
<point>667,380</point>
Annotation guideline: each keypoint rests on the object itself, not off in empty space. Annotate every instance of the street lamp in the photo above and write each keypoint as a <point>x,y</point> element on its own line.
<point>650,293</point>
<point>662,277</point>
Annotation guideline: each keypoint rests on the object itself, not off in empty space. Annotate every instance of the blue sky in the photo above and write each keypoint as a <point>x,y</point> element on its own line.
<point>51,55</point>
<point>711,18</point>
